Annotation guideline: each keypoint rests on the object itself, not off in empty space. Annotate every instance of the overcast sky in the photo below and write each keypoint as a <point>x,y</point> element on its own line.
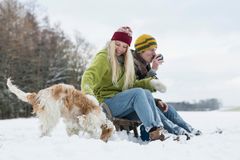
<point>200,39</point>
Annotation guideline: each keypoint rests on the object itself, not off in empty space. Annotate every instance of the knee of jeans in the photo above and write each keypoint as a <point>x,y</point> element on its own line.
<point>148,93</point>
<point>138,91</point>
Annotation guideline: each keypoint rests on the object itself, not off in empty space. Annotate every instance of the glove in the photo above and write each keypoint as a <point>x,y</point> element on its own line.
<point>93,99</point>
<point>159,86</point>
<point>162,105</point>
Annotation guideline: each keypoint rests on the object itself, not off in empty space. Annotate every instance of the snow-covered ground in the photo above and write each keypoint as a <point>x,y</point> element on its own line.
<point>19,140</point>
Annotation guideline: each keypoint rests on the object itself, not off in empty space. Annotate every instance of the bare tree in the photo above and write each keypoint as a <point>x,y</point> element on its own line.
<point>35,55</point>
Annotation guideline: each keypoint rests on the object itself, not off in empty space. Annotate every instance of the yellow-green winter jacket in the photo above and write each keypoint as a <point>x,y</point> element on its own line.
<point>97,79</point>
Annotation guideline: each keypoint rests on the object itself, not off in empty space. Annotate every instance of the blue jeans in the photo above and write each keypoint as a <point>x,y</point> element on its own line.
<point>174,123</point>
<point>171,120</point>
<point>136,101</point>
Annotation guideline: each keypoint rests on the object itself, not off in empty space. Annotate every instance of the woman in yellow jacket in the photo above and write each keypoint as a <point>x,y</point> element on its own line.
<point>111,79</point>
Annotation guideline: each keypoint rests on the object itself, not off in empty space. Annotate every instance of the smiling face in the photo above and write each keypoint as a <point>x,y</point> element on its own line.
<point>120,48</point>
<point>148,55</point>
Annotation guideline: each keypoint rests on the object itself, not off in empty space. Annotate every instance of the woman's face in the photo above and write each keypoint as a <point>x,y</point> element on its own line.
<point>120,48</point>
<point>148,55</point>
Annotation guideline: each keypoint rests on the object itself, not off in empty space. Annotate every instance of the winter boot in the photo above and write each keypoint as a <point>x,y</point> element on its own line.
<point>144,135</point>
<point>157,134</point>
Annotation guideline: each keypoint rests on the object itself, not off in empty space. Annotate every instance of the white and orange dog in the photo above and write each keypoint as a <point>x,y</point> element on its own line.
<point>62,100</point>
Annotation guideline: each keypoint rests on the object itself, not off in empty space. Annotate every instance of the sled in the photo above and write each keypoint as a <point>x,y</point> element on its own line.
<point>122,123</point>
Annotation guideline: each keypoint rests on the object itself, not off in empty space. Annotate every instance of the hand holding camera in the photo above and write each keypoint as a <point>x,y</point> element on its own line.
<point>157,60</point>
<point>159,57</point>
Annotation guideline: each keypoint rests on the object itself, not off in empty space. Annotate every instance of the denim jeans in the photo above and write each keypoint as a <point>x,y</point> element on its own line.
<point>136,101</point>
<point>171,120</point>
<point>176,124</point>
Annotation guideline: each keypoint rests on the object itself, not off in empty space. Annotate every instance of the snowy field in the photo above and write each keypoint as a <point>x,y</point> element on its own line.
<point>19,140</point>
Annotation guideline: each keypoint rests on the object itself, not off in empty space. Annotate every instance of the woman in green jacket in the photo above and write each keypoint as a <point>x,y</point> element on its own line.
<point>111,79</point>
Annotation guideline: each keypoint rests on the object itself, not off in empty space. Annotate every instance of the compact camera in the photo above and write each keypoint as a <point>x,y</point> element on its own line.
<point>160,56</point>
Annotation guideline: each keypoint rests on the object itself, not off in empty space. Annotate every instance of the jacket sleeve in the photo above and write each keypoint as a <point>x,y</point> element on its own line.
<point>151,73</point>
<point>144,83</point>
<point>94,74</point>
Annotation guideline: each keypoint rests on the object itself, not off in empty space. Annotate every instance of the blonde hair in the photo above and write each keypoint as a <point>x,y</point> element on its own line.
<point>129,72</point>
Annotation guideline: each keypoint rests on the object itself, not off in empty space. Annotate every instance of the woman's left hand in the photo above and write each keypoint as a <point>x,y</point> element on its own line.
<point>158,85</point>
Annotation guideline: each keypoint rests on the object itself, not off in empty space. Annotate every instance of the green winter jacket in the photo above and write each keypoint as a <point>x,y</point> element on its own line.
<point>97,79</point>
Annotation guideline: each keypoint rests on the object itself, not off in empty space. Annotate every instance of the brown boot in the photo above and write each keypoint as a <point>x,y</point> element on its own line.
<point>157,134</point>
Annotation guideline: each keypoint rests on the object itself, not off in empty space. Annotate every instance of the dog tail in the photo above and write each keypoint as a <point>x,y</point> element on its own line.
<point>19,93</point>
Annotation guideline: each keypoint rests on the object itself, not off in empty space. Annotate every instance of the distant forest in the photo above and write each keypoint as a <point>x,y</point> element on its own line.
<point>35,55</point>
<point>202,105</point>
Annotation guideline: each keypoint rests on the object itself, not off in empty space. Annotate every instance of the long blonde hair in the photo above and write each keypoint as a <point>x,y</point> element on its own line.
<point>129,72</point>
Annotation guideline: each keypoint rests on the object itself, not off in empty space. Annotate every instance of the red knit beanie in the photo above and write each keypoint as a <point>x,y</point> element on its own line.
<point>123,34</point>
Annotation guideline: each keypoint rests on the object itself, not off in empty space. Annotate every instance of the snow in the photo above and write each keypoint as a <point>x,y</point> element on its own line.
<point>19,140</point>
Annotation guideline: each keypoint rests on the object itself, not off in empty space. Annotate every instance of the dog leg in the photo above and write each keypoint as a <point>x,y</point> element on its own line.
<point>48,122</point>
<point>90,124</point>
<point>72,126</point>
<point>45,131</point>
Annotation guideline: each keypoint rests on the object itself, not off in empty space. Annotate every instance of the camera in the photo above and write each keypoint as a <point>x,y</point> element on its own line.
<point>160,56</point>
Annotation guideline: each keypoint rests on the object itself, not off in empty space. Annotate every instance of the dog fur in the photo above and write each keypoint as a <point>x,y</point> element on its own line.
<point>62,100</point>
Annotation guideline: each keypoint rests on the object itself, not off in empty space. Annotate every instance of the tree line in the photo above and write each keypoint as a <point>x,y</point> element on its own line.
<point>35,55</point>
<point>202,105</point>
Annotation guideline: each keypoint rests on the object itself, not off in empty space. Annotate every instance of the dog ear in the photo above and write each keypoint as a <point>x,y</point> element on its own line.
<point>106,132</point>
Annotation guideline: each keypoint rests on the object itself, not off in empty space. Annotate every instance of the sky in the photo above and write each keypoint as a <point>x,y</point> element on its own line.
<point>199,39</point>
